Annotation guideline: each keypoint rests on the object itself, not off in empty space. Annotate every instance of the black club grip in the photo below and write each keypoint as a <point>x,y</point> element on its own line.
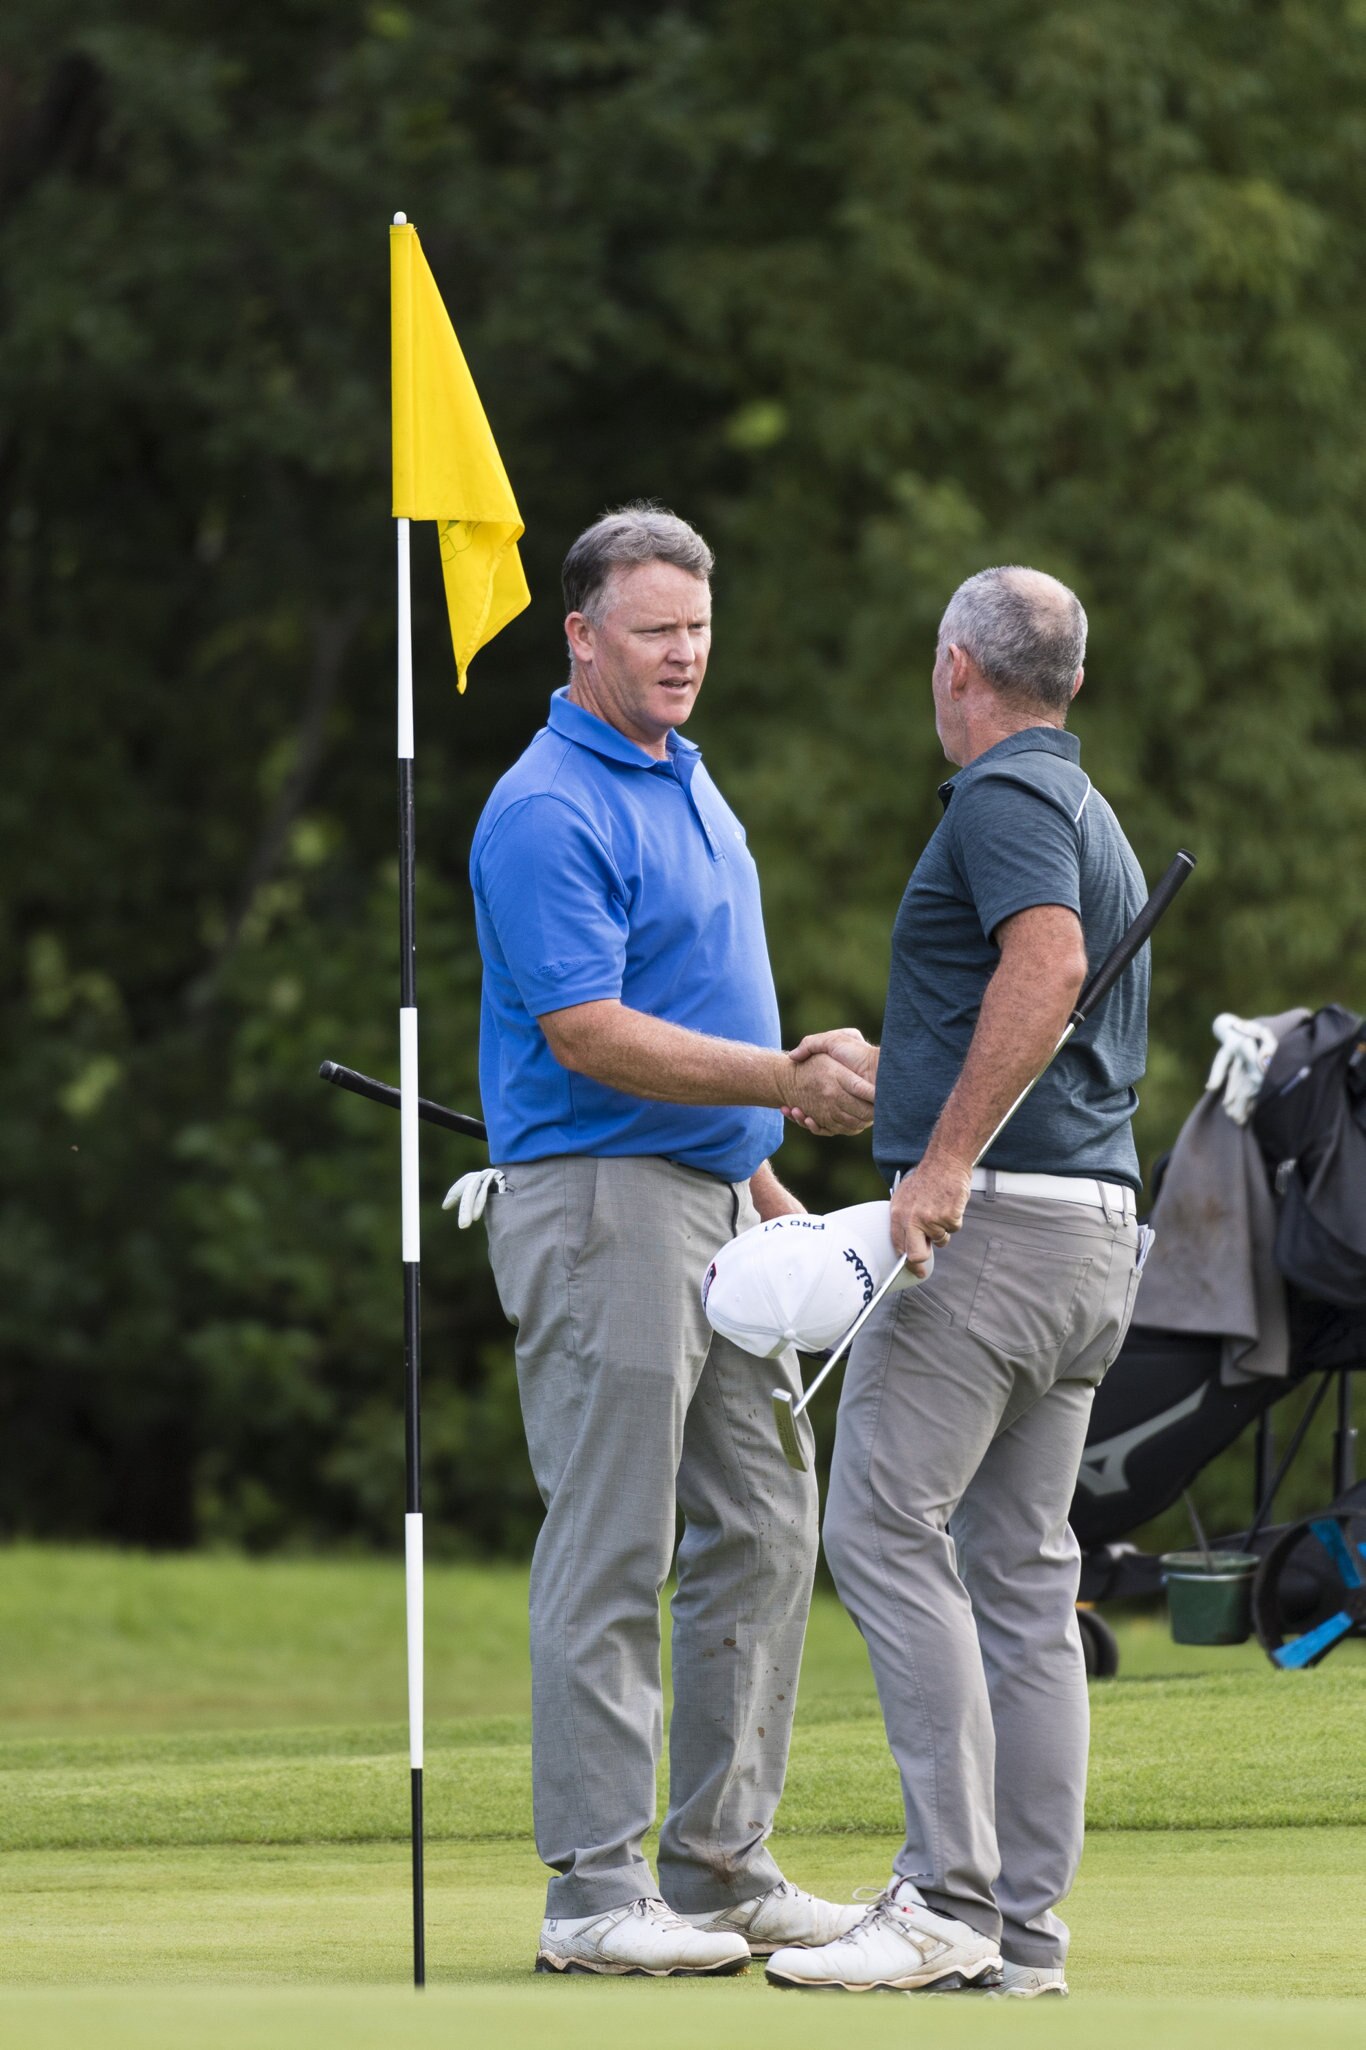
<point>1113,966</point>
<point>381,1092</point>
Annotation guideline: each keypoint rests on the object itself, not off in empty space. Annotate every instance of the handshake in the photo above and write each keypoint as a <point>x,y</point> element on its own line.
<point>828,1082</point>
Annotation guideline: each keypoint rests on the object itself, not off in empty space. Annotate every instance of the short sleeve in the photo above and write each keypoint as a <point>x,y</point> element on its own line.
<point>1016,849</point>
<point>557,905</point>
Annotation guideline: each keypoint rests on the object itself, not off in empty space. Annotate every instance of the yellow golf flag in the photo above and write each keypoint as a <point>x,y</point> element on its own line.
<point>446,466</point>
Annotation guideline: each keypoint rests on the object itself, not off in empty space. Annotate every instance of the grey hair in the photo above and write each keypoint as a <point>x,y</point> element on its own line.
<point>1025,631</point>
<point>643,531</point>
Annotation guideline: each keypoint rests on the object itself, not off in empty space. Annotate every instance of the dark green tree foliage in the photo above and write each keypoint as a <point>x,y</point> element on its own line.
<point>877,293</point>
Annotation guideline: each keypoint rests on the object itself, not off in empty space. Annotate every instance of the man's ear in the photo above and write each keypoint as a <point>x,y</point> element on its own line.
<point>961,669</point>
<point>1081,678</point>
<point>578,631</point>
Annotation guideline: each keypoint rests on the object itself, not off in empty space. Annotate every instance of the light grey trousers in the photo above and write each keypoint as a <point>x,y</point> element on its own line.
<point>634,1409</point>
<point>960,1432</point>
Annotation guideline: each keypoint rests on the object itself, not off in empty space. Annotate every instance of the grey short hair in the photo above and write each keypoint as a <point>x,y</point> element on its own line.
<point>643,531</point>
<point>1025,631</point>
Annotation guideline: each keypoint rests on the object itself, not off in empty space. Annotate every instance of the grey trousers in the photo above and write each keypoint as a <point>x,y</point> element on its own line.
<point>960,1432</point>
<point>634,1408</point>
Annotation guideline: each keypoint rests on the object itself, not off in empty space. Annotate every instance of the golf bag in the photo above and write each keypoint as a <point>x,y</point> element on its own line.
<point>1163,1411</point>
<point>1310,1123</point>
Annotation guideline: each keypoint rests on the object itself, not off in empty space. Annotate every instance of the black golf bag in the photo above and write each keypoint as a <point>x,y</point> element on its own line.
<point>1163,1412</point>
<point>1310,1122</point>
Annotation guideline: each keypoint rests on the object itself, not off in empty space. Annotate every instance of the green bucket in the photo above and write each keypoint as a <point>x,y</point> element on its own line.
<point>1209,1596</point>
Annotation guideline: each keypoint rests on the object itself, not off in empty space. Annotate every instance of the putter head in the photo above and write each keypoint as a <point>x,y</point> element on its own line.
<point>784,1417</point>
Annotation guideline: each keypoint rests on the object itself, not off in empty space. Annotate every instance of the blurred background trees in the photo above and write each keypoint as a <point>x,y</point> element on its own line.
<point>876,292</point>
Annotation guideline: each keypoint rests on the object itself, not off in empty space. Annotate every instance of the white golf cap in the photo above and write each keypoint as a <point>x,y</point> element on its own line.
<point>800,1280</point>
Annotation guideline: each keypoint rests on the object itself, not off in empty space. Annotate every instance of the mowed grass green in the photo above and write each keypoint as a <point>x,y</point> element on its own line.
<point>1242,1751</point>
<point>1188,1912</point>
<point>590,2016</point>
<point>203,1811</point>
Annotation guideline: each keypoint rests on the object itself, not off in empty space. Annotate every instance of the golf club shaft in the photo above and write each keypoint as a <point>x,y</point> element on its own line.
<point>380,1092</point>
<point>850,1335</point>
<point>1097,987</point>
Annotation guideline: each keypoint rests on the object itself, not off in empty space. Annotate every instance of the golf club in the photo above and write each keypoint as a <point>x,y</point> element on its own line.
<point>381,1092</point>
<point>785,1410</point>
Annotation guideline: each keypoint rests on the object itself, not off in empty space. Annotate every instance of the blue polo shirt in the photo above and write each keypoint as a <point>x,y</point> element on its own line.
<point>1022,826</point>
<point>599,871</point>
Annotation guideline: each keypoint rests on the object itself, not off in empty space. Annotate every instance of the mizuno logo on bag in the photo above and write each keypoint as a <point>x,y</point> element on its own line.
<point>1102,1466</point>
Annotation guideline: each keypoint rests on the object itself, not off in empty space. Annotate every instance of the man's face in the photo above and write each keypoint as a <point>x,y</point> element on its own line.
<point>642,668</point>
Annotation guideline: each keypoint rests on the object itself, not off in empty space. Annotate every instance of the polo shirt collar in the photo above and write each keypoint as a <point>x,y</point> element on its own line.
<point>1047,740</point>
<point>585,729</point>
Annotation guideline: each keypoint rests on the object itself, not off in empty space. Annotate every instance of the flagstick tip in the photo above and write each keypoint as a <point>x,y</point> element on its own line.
<point>400,220</point>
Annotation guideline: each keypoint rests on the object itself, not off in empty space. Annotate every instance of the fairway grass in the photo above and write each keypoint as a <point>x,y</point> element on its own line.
<point>123,1641</point>
<point>203,1816</point>
<point>1226,1752</point>
<point>1177,1913</point>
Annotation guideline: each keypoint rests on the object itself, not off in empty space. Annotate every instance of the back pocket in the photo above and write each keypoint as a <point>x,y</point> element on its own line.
<point>1026,1296</point>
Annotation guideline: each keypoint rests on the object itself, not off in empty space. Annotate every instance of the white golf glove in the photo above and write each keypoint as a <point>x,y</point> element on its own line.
<point>1245,1050</point>
<point>471,1192</point>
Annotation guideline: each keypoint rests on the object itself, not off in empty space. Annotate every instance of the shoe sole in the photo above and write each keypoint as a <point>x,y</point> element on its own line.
<point>986,1979</point>
<point>573,1967</point>
<point>1029,1992</point>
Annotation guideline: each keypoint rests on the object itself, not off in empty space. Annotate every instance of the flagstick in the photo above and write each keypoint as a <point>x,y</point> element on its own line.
<point>412,1239</point>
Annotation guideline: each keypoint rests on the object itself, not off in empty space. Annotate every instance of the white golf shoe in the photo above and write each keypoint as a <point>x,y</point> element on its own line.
<point>1027,1982</point>
<point>900,1946</point>
<point>643,1940</point>
<point>782,1917</point>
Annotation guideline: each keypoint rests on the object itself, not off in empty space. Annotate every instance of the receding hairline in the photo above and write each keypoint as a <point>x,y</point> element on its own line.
<point>630,537</point>
<point>608,592</point>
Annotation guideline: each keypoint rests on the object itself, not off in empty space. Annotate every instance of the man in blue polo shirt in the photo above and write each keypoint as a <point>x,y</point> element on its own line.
<point>632,1078</point>
<point>966,1400</point>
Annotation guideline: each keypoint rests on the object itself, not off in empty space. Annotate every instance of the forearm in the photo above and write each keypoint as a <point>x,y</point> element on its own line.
<point>666,1063</point>
<point>1024,1010</point>
<point>770,1198</point>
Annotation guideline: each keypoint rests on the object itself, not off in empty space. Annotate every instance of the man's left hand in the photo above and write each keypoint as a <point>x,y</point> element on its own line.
<point>927,1208</point>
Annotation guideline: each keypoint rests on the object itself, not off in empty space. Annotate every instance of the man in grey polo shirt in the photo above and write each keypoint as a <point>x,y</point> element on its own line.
<point>966,1400</point>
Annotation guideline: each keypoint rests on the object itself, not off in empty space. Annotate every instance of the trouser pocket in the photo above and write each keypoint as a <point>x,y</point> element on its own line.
<point>1026,1295</point>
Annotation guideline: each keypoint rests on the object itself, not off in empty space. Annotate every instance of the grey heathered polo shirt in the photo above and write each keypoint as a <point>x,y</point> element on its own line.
<point>1022,826</point>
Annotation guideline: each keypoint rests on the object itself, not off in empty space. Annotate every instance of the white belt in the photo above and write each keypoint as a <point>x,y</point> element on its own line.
<point>1058,1188</point>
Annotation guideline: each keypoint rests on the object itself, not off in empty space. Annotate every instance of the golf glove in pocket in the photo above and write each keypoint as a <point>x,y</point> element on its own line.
<point>471,1193</point>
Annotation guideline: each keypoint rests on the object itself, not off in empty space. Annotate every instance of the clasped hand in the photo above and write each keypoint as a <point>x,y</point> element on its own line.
<point>833,1080</point>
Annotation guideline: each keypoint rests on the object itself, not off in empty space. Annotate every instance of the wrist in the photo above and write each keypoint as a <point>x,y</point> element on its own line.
<point>784,1082</point>
<point>946,1159</point>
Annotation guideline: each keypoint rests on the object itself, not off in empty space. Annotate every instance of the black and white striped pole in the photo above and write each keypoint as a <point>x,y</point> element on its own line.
<point>412,1229</point>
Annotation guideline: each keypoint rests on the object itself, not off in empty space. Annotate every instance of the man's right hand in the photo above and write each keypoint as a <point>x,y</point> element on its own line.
<point>847,1045</point>
<point>826,1095</point>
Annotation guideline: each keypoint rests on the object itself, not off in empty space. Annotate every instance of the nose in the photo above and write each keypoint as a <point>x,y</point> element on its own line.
<point>682,652</point>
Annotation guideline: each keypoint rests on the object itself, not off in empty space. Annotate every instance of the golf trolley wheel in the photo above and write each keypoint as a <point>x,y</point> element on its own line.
<point>1310,1590</point>
<point>1100,1647</point>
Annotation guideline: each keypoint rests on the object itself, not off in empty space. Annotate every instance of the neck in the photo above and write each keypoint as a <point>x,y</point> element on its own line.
<point>581,692</point>
<point>983,731</point>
